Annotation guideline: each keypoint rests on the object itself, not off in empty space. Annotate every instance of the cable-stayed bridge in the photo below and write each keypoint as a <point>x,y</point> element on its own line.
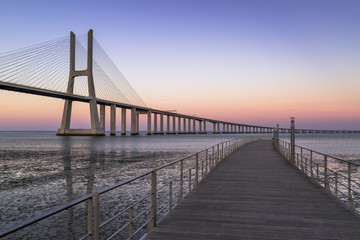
<point>78,69</point>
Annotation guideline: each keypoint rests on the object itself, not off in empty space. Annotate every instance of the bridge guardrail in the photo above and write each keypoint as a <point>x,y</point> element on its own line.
<point>161,188</point>
<point>339,177</point>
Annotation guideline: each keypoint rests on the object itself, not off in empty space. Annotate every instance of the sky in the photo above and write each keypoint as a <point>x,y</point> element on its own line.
<point>254,62</point>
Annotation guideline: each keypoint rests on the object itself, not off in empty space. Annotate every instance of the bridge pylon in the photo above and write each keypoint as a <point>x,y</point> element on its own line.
<point>96,129</point>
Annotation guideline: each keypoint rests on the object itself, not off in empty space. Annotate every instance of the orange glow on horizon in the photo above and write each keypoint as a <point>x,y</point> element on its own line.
<point>24,111</point>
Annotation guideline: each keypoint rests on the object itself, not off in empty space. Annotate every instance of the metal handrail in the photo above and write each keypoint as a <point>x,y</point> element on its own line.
<point>326,175</point>
<point>336,158</point>
<point>123,211</point>
<point>44,215</point>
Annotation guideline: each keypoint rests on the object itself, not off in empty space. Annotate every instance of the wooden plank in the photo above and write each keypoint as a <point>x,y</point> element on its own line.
<point>256,194</point>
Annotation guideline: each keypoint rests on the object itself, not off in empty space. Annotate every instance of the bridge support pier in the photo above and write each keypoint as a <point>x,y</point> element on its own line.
<point>134,122</point>
<point>112,120</point>
<point>96,128</point>
<point>161,124</point>
<point>155,123</point>
<point>173,125</point>
<point>184,129</point>
<point>189,126</point>
<point>102,116</point>
<point>179,125</point>
<point>123,121</point>
<point>149,123</point>
<point>167,124</point>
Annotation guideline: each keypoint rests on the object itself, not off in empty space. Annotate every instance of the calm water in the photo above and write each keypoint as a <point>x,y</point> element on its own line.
<point>40,171</point>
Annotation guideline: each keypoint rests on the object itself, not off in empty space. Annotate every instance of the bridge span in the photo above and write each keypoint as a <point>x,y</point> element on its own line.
<point>34,71</point>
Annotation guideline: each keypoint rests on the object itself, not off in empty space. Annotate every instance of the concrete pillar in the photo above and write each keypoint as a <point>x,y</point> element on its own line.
<point>155,124</point>
<point>134,122</point>
<point>167,124</point>
<point>94,117</point>
<point>123,121</point>
<point>113,120</point>
<point>200,126</point>
<point>224,128</point>
<point>174,123</point>
<point>205,127</point>
<point>149,123</point>
<point>161,123</point>
<point>189,125</point>
<point>137,122</point>
<point>184,129</point>
<point>102,116</point>
<point>214,127</point>
<point>179,124</point>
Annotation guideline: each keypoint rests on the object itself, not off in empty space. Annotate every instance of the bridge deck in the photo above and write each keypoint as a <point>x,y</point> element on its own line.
<point>256,194</point>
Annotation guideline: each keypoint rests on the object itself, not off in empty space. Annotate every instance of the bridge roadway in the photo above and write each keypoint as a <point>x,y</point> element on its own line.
<point>228,127</point>
<point>256,194</point>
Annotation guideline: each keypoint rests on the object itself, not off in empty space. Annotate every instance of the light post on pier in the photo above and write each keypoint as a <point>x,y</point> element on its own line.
<point>292,141</point>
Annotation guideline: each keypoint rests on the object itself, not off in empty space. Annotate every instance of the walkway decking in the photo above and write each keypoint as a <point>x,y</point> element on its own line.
<point>256,194</point>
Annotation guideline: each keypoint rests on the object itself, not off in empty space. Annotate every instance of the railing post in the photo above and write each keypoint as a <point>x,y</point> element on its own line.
<point>297,161</point>
<point>89,203</point>
<point>202,170</point>
<point>311,165</point>
<point>189,180</point>
<point>206,158</point>
<point>181,181</point>
<point>336,184</point>
<point>153,209</point>
<point>218,154</point>
<point>276,136</point>
<point>326,177</point>
<point>317,172</point>
<point>306,165</point>
<point>288,152</point>
<point>213,153</point>
<point>349,182</point>
<point>222,151</point>
<point>131,224</point>
<point>170,196</point>
<point>301,159</point>
<point>206,166</point>
<point>96,215</point>
<point>196,169</point>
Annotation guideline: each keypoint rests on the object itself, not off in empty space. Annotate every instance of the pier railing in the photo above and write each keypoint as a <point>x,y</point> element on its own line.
<point>339,177</point>
<point>131,208</point>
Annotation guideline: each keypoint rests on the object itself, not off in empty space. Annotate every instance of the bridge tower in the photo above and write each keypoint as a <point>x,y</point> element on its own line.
<point>96,129</point>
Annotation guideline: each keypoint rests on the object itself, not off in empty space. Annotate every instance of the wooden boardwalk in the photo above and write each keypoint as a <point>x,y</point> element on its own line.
<point>256,194</point>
